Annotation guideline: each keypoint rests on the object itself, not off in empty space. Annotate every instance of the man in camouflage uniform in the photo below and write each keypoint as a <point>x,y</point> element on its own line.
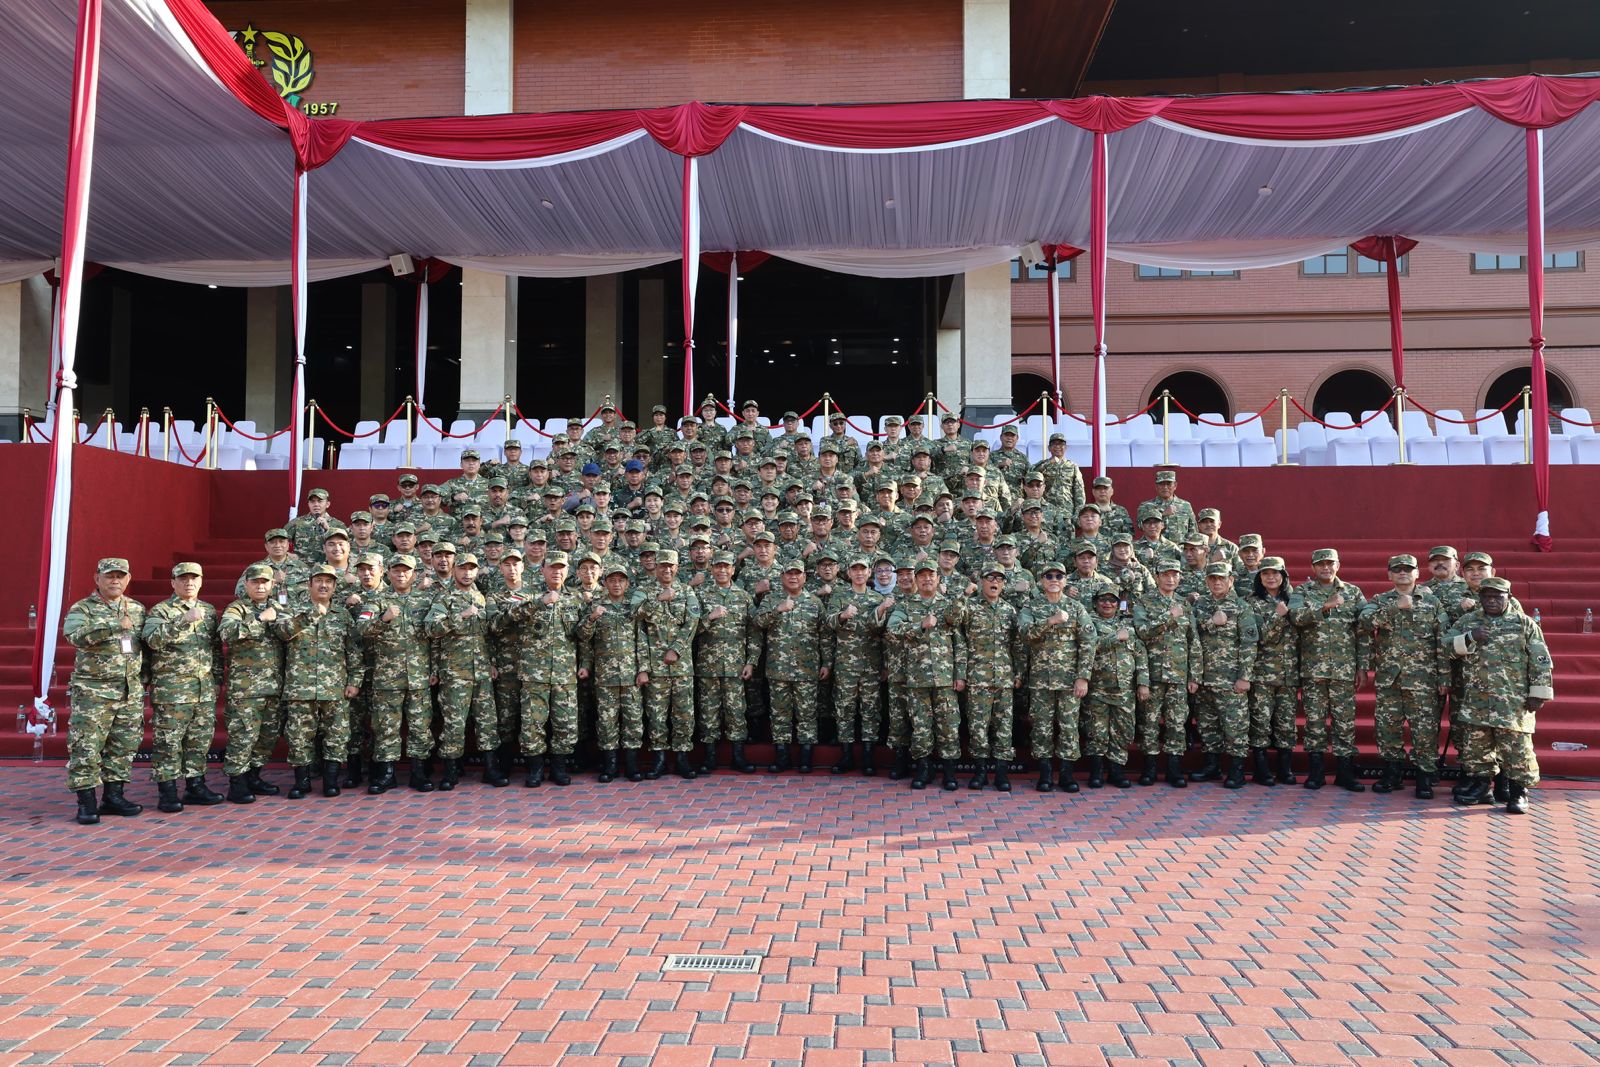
<point>1161,620</point>
<point>469,486</point>
<point>799,656</point>
<point>1062,643</point>
<point>1114,517</point>
<point>1063,481</point>
<point>255,680</point>
<point>1121,676</point>
<point>1177,513</point>
<point>1405,627</point>
<point>307,530</point>
<point>392,625</point>
<point>1226,636</point>
<point>548,667</point>
<point>288,572</point>
<point>727,651</point>
<point>458,623</point>
<point>928,626</point>
<point>1152,545</point>
<point>185,662</point>
<point>858,615</point>
<point>952,451</point>
<point>668,616</point>
<point>608,657</point>
<point>1332,657</point>
<point>321,672</point>
<point>509,589</point>
<point>1507,679</point>
<point>106,693</point>
<point>995,657</point>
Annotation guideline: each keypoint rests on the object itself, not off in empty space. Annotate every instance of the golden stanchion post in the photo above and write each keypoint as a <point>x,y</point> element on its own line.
<point>826,400</point>
<point>108,419</point>
<point>411,429</point>
<point>166,434</point>
<point>311,422</point>
<point>27,426</point>
<point>211,433</point>
<point>1283,427</point>
<point>1044,425</point>
<point>143,448</point>
<point>1166,427</point>
<point>1400,425</point>
<point>1527,427</point>
<point>77,419</point>
<point>510,427</point>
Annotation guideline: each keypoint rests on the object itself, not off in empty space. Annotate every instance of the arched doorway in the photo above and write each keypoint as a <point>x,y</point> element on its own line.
<point>1509,386</point>
<point>1025,390</point>
<point>1352,391</point>
<point>1200,393</point>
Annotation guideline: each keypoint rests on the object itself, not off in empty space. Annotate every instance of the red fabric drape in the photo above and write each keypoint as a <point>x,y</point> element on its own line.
<point>1054,256</point>
<point>1098,209</point>
<point>1540,429</point>
<point>691,273</point>
<point>720,261</point>
<point>1388,250</point>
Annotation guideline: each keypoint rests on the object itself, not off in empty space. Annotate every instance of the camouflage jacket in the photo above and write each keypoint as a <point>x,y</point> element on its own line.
<point>936,658</point>
<point>254,653</point>
<point>1511,664</point>
<point>1331,645</point>
<point>1121,663</point>
<point>1278,645</point>
<point>545,635</point>
<point>858,640</point>
<point>399,646</point>
<point>101,670</point>
<point>799,643</point>
<point>1179,515</point>
<point>1059,653</point>
<point>293,576</point>
<point>608,645</point>
<point>668,626</point>
<point>995,648</point>
<point>185,657</point>
<point>1063,483</point>
<point>1171,649</point>
<point>1227,649</point>
<point>1406,645</point>
<point>461,646</point>
<point>724,647</point>
<point>321,654</point>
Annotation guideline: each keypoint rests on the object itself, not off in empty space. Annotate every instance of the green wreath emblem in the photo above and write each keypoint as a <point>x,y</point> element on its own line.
<point>291,64</point>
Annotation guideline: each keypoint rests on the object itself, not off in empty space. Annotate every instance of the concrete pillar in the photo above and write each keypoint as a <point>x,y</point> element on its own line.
<point>377,350</point>
<point>986,311</point>
<point>24,352</point>
<point>602,336</point>
<point>115,394</point>
<point>268,363</point>
<point>652,346</point>
<point>488,301</point>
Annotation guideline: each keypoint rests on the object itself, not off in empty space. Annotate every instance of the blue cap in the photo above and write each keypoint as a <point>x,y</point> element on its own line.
<point>591,468</point>
<point>631,465</point>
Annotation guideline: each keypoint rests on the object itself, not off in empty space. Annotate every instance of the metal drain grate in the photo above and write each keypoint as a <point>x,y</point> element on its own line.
<point>684,962</point>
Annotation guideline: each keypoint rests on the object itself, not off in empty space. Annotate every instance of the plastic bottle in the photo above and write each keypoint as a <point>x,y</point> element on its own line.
<point>33,617</point>
<point>1588,620</point>
<point>1537,617</point>
<point>22,719</point>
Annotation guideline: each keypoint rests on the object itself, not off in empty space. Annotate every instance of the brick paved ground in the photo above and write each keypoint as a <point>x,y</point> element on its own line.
<point>508,926</point>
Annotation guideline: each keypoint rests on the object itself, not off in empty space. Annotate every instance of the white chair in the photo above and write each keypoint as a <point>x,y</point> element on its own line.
<point>268,461</point>
<point>446,456</point>
<point>1503,450</point>
<point>421,454</point>
<point>246,426</point>
<point>1248,424</point>
<point>102,436</point>
<point>1074,429</point>
<point>1577,415</point>
<point>1208,432</point>
<point>1221,452</point>
<point>1586,449</point>
<point>1379,426</point>
<point>355,457</point>
<point>1257,452</point>
<point>427,428</point>
<point>318,447</point>
<point>127,443</point>
<point>1035,451</point>
<point>1560,449</point>
<point>1117,454</point>
<point>365,426</point>
<point>395,433</point>
<point>1464,451</point>
<point>1447,429</point>
<point>386,457</point>
<point>1386,450</point>
<point>555,426</point>
<point>1144,453</point>
<point>1428,451</point>
<point>231,458</point>
<point>725,421</point>
<point>1348,450</point>
<point>1179,427</point>
<point>1082,453</point>
<point>462,426</point>
<point>1141,428</point>
<point>1313,444</point>
<point>1186,453</point>
<point>492,438</point>
<point>1277,445</point>
<point>1493,424</point>
<point>1338,422</point>
<point>1416,424</point>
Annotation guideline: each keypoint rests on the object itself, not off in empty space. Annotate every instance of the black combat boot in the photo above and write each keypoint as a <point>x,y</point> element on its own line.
<point>922,775</point>
<point>1047,772</point>
<point>558,769</point>
<point>352,770</point>
<point>535,776</point>
<point>1285,766</point>
<point>1473,791</point>
<point>658,766</point>
<point>1068,783</point>
<point>708,761</point>
<point>302,783</point>
<point>492,774</point>
<point>868,767</point>
<point>780,759</point>
<point>1209,770</point>
<point>1502,792</point>
<point>260,786</point>
<point>1461,786</point>
<point>1263,775</point>
<point>1117,775</point>
<point>1315,779</point>
<point>847,758</point>
<point>1392,778</point>
<point>680,763</point>
<point>196,792</point>
<point>422,775</point>
<point>949,768</point>
<point>330,778</point>
<point>1002,783</point>
<point>1097,771</point>
<point>1151,765</point>
<point>804,766</point>
<point>980,773</point>
<point>169,802</point>
<point>1424,785</point>
<point>1516,798</point>
<point>630,764</point>
<point>383,778</point>
<point>1235,779</point>
<point>451,775</point>
<point>88,813</point>
<point>608,766</point>
<point>112,802</point>
<point>740,761</point>
<point>1175,776</point>
<point>239,790</point>
<point>901,764</point>
<point>1345,777</point>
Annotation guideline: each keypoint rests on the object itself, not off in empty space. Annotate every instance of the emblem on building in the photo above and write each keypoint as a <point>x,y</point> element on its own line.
<point>286,62</point>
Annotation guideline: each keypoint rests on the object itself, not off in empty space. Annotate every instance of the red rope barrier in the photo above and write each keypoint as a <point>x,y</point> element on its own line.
<point>1462,422</point>
<point>357,436</point>
<point>1135,415</point>
<point>1572,422</point>
<point>1241,422</point>
<point>194,461</point>
<point>247,435</point>
<point>994,426</point>
<point>1352,426</point>
<point>523,419</point>
<point>423,415</point>
<point>36,435</point>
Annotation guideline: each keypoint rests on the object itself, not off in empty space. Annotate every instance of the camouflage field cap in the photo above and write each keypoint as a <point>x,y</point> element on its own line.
<point>1404,561</point>
<point>1151,514</point>
<point>1102,481</point>
<point>336,531</point>
<point>723,559</point>
<point>257,570</point>
<point>1447,551</point>
<point>1209,513</point>
<point>360,516</point>
<point>444,548</point>
<point>470,453</point>
<point>181,569</point>
<point>277,531</point>
<point>1495,585</point>
<point>467,559</point>
<point>1163,477</point>
<point>1122,539</point>
<point>1196,541</point>
<point>924,565</point>
<point>1478,557</point>
<point>1325,555</point>
<point>1088,505</point>
<point>1081,547</point>
<point>1219,570</point>
<point>1168,563</point>
<point>408,479</point>
<point>616,567</point>
<point>994,569</point>
<point>317,494</point>
<point>1274,563</point>
<point>321,570</point>
<point>403,559</point>
<point>379,500</point>
<point>370,559</point>
<point>667,555</point>
<point>1250,540</point>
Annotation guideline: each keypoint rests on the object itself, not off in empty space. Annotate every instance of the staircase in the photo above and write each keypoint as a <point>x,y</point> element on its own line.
<point>1557,584</point>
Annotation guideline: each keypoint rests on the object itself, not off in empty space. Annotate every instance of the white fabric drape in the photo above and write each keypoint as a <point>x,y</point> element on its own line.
<point>17,271</point>
<point>904,262</point>
<point>733,323</point>
<point>251,273</point>
<point>422,341</point>
<point>560,265</point>
<point>304,429</point>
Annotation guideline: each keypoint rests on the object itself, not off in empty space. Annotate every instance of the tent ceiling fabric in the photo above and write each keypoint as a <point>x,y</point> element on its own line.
<point>187,174</point>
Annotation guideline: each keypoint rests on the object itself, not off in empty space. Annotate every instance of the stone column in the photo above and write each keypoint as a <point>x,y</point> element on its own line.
<point>377,350</point>
<point>602,334</point>
<point>24,352</point>
<point>986,310</point>
<point>268,359</point>
<point>651,347</point>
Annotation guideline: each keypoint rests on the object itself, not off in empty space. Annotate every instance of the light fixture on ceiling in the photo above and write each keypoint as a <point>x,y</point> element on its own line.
<point>1265,190</point>
<point>211,287</point>
<point>546,203</point>
<point>889,203</point>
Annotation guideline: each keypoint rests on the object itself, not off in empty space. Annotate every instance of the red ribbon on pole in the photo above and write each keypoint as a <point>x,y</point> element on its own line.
<point>1540,430</point>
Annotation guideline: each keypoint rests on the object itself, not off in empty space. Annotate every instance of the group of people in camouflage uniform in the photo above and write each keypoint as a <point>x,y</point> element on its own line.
<point>647,592</point>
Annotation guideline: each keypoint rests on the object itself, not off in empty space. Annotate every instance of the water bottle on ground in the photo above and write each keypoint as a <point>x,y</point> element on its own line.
<point>1588,620</point>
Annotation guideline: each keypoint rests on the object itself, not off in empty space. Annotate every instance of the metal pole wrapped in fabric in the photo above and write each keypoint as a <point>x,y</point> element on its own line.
<point>1097,297</point>
<point>733,324</point>
<point>691,272</point>
<point>1538,422</point>
<point>297,281</point>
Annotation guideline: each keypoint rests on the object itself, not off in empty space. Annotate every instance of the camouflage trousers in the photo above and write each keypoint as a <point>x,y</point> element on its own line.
<point>935,714</point>
<point>858,708</point>
<point>1486,750</point>
<point>102,736</point>
<point>1162,720</point>
<point>1224,720</point>
<point>619,716</point>
<point>253,725</point>
<point>1330,702</point>
<point>1055,724</point>
<point>1108,727</point>
<point>508,705</point>
<point>794,711</point>
<point>1272,716</point>
<point>1419,708</point>
<point>392,710</point>
<point>307,721</point>
<point>183,735</point>
<point>360,707</point>
<point>555,705</point>
<point>899,715</point>
<point>989,721</point>
<point>669,712</point>
<point>719,710</point>
<point>463,696</point>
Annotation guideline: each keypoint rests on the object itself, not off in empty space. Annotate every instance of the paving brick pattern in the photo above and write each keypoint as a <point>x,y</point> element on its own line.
<point>518,927</point>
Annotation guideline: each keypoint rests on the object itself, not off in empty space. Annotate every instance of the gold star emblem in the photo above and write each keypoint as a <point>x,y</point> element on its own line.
<point>249,34</point>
